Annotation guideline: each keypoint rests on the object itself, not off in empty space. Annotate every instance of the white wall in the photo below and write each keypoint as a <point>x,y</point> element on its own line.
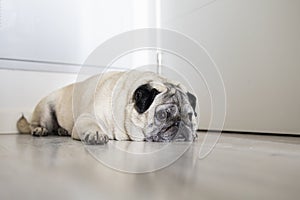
<point>49,39</point>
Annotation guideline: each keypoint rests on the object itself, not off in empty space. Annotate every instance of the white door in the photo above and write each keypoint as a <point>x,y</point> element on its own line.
<point>256,46</point>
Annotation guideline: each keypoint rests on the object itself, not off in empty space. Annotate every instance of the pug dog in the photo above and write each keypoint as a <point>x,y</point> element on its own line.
<point>134,105</point>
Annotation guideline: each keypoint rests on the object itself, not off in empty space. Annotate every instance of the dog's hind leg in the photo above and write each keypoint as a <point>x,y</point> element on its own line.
<point>43,119</point>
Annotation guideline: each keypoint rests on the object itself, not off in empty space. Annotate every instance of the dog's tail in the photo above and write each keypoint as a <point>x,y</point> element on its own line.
<point>23,125</point>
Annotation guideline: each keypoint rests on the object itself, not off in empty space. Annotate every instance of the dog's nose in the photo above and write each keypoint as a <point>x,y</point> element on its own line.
<point>172,110</point>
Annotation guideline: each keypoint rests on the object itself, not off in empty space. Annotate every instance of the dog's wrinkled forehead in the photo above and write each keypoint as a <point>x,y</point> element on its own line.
<point>146,94</point>
<point>173,94</point>
<point>179,96</point>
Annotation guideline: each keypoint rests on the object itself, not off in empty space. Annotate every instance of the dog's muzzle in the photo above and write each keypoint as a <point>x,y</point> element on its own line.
<point>171,126</point>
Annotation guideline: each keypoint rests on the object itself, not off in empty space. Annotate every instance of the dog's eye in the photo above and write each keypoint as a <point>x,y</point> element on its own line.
<point>161,115</point>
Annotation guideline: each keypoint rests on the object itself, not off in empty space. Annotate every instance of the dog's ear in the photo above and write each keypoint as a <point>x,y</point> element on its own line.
<point>143,97</point>
<point>193,101</point>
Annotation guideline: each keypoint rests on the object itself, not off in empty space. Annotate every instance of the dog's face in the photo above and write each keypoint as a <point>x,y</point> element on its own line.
<point>167,110</point>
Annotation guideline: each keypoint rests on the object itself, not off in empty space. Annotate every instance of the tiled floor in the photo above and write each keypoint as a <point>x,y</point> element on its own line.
<point>239,167</point>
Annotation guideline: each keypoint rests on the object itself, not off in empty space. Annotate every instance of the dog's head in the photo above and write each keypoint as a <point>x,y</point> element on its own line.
<point>166,110</point>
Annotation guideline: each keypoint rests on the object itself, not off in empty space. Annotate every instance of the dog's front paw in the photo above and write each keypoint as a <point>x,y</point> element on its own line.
<point>39,131</point>
<point>94,138</point>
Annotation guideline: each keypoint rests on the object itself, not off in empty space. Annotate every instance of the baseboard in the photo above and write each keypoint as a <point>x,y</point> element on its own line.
<point>254,132</point>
